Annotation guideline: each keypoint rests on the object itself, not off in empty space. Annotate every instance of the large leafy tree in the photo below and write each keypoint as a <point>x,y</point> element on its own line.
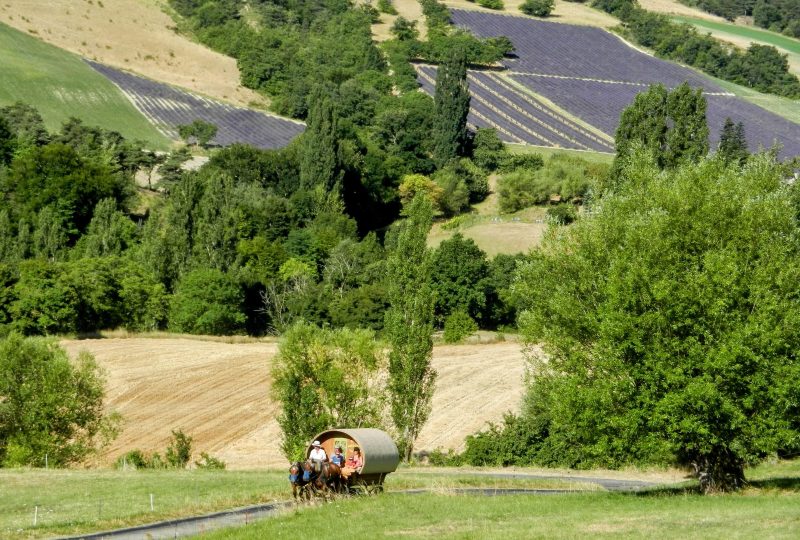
<point>459,276</point>
<point>451,107</point>
<point>326,378</point>
<point>670,321</point>
<point>409,324</point>
<point>671,125</point>
<point>49,406</point>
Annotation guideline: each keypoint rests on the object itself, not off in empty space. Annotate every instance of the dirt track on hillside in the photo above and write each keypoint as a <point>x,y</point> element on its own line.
<point>135,35</point>
<point>219,394</point>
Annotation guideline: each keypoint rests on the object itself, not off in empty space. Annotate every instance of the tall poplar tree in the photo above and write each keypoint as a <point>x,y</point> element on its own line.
<point>451,107</point>
<point>409,325</point>
<point>732,143</point>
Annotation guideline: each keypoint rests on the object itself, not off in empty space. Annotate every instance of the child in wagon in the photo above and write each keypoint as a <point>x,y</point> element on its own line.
<point>337,458</point>
<point>354,463</point>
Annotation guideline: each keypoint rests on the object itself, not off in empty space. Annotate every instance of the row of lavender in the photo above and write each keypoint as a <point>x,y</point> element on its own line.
<point>549,48</point>
<point>167,107</point>
<point>594,76</point>
<point>519,116</point>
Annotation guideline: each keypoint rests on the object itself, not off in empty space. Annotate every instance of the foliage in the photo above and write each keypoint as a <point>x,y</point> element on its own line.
<point>562,214</point>
<point>325,378</point>
<point>492,4</point>
<point>537,8</point>
<point>457,326</point>
<point>668,319</point>
<point>670,124</point>
<point>179,450</point>
<point>451,109</point>
<point>199,131</point>
<point>732,143</point>
<point>458,275</point>
<point>487,149</point>
<point>210,463</point>
<point>385,6</point>
<point>564,176</point>
<point>760,67</point>
<point>514,442</point>
<point>207,301</point>
<point>49,406</point>
<point>409,324</point>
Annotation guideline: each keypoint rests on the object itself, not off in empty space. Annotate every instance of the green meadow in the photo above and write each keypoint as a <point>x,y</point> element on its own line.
<point>758,35</point>
<point>60,85</point>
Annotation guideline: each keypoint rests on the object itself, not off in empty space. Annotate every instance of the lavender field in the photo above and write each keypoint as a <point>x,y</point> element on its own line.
<point>168,107</point>
<point>592,75</point>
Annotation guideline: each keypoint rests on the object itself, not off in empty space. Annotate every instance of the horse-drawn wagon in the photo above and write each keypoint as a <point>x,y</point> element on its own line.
<point>379,457</point>
<point>379,453</point>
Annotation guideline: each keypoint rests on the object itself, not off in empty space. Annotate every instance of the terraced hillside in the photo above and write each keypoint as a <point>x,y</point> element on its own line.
<point>168,107</point>
<point>219,393</point>
<point>568,85</point>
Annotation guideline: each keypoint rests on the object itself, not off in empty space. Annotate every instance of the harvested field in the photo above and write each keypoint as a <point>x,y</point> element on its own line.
<point>219,394</point>
<point>168,107</point>
<point>134,35</point>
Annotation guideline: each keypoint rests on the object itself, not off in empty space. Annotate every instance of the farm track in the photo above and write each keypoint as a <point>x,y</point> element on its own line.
<point>198,525</point>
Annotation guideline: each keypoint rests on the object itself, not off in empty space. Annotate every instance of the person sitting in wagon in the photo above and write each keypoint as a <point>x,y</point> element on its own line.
<point>354,463</point>
<point>317,456</point>
<point>337,458</point>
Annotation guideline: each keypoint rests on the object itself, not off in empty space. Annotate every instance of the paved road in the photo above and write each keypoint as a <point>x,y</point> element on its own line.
<point>192,526</point>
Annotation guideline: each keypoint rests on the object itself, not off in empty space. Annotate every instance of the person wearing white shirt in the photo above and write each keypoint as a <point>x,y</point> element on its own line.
<point>317,456</point>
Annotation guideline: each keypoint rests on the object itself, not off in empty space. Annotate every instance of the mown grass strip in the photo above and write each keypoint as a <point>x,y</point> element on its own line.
<point>754,34</point>
<point>60,85</point>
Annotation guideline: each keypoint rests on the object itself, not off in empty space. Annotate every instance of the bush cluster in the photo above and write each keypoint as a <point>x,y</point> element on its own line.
<point>537,8</point>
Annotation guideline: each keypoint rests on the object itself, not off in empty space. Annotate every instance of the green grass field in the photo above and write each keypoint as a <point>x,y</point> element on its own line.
<point>79,501</point>
<point>59,84</point>
<point>758,35</point>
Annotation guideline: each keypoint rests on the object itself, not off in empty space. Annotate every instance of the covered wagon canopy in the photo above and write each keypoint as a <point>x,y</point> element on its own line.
<point>379,451</point>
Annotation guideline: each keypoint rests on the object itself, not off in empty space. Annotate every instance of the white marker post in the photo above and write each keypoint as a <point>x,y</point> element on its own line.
<point>36,515</point>
<point>151,502</point>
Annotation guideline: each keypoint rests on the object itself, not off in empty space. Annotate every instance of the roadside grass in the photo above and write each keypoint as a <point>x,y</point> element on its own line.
<point>60,85</point>
<point>75,501</point>
<point>546,152</point>
<point>621,515</point>
<point>80,501</point>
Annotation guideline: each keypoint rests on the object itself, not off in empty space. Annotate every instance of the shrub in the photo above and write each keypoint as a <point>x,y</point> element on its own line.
<point>179,449</point>
<point>512,162</point>
<point>537,8</point>
<point>439,458</point>
<point>492,4</point>
<point>517,441</point>
<point>563,214</point>
<point>385,6</point>
<point>210,463</point>
<point>458,326</point>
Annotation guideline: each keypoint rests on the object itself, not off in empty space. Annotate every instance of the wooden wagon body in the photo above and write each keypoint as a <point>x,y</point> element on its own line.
<point>378,450</point>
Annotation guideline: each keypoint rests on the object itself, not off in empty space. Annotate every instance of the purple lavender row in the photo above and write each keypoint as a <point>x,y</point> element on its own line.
<point>576,51</point>
<point>168,107</point>
<point>601,105</point>
<point>572,136</point>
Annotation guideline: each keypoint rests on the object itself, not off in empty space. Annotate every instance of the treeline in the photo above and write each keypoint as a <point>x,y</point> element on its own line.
<point>776,15</point>
<point>285,49</point>
<point>249,243</point>
<point>761,67</point>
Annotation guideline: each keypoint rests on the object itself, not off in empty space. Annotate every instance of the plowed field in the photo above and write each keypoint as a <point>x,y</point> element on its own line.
<point>219,394</point>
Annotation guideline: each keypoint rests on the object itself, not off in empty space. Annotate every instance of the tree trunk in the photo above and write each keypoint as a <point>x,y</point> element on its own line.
<point>719,473</point>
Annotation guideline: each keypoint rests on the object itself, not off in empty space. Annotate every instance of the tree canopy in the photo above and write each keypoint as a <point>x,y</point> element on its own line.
<point>670,322</point>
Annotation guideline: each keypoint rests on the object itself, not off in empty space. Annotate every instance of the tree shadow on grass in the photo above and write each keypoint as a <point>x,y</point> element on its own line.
<point>693,488</point>
<point>784,483</point>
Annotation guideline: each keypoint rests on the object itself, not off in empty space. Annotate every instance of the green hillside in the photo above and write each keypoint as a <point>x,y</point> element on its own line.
<point>59,84</point>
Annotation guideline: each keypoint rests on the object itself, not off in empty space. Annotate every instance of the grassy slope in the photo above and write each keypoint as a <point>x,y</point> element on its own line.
<point>59,84</point>
<point>742,35</point>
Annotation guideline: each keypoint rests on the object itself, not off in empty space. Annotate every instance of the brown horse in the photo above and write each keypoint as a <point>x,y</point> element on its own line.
<point>301,482</point>
<point>327,481</point>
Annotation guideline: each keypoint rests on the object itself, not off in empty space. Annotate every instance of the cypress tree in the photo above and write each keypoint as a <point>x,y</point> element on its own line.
<point>318,161</point>
<point>732,143</point>
<point>451,107</point>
